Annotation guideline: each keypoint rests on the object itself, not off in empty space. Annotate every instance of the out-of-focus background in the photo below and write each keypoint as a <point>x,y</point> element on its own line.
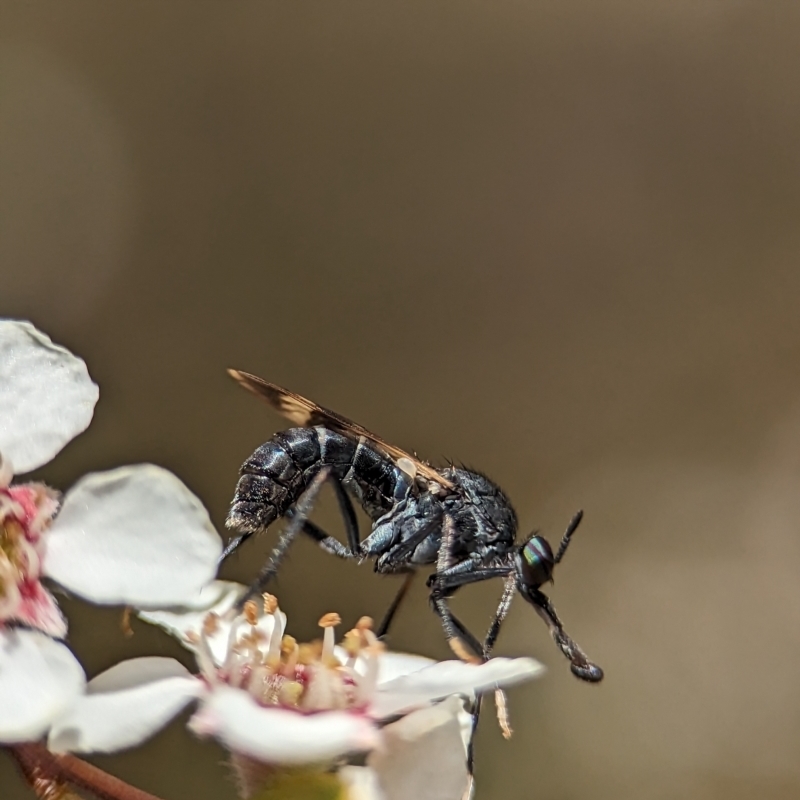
<point>556,240</point>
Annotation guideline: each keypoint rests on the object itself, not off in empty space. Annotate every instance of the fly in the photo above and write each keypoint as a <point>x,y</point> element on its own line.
<point>455,519</point>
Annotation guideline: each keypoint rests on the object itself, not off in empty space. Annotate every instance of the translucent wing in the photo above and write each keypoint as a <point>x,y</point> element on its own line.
<point>306,414</point>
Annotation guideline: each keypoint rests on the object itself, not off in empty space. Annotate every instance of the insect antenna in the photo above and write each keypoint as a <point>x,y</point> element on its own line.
<point>565,539</point>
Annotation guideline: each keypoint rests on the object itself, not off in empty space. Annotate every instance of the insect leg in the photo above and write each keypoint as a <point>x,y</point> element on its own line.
<point>438,597</point>
<point>398,554</point>
<point>349,517</point>
<point>301,510</point>
<point>580,665</point>
<point>383,628</point>
<point>463,573</point>
<point>328,543</point>
<point>488,645</point>
<point>499,616</point>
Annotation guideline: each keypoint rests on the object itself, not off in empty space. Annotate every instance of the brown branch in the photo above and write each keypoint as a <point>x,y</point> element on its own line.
<point>48,771</point>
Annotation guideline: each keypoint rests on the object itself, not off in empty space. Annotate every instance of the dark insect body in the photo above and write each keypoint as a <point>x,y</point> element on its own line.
<point>455,519</point>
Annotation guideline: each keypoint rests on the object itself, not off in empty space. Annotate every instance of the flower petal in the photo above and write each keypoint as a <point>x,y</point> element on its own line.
<point>390,665</point>
<point>46,396</point>
<point>124,706</point>
<point>134,535</point>
<point>39,678</point>
<point>277,735</point>
<point>450,677</point>
<point>422,756</point>
<point>362,783</point>
<point>186,622</point>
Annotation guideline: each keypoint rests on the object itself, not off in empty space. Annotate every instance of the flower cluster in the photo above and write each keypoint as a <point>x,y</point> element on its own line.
<point>115,538</point>
<point>98,541</point>
<point>268,699</point>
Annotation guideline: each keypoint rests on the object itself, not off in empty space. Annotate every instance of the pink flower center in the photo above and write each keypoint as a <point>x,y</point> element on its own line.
<point>277,671</point>
<point>25,513</point>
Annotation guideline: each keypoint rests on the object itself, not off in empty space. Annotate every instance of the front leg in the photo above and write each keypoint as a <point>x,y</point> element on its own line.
<point>454,631</point>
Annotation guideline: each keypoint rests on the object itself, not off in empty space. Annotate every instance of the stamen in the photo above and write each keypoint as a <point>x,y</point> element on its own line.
<point>502,713</point>
<point>290,693</point>
<point>250,612</point>
<point>289,655</point>
<point>328,622</point>
<point>125,623</point>
<point>270,603</point>
<point>210,623</point>
<point>309,653</point>
<point>367,683</point>
<point>205,660</point>
<point>351,644</point>
<point>275,642</point>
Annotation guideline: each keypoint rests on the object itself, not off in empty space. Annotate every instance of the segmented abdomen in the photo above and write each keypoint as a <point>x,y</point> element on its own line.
<point>279,471</point>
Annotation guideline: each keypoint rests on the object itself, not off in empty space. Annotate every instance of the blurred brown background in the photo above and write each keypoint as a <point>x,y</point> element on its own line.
<point>556,240</point>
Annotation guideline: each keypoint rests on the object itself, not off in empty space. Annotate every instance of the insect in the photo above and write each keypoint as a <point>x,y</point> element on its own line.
<point>454,519</point>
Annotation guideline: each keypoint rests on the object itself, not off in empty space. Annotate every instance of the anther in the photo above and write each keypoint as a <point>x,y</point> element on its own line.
<point>352,643</point>
<point>210,623</point>
<point>308,653</point>
<point>330,620</point>
<point>288,645</point>
<point>270,603</point>
<point>250,612</point>
<point>365,624</point>
<point>290,693</point>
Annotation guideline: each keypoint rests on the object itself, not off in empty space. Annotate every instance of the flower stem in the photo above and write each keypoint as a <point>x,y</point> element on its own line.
<point>49,775</point>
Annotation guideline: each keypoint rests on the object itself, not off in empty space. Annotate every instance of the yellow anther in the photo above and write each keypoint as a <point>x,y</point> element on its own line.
<point>330,620</point>
<point>270,603</point>
<point>127,630</point>
<point>308,653</point>
<point>365,624</point>
<point>288,645</point>
<point>250,612</point>
<point>290,693</point>
<point>352,642</point>
<point>330,660</point>
<point>211,623</point>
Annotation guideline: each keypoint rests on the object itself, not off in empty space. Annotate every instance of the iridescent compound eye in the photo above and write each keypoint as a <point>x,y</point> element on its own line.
<point>537,561</point>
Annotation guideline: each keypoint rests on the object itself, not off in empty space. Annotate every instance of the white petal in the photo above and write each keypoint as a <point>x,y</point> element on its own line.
<point>390,665</point>
<point>277,735</point>
<point>394,665</point>
<point>362,783</point>
<point>450,677</point>
<point>124,706</point>
<point>46,396</point>
<point>134,535</point>
<point>423,757</point>
<point>39,678</point>
<point>186,622</point>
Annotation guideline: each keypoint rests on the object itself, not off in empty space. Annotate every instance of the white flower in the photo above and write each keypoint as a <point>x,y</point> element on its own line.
<point>264,696</point>
<point>134,535</point>
<point>422,756</point>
